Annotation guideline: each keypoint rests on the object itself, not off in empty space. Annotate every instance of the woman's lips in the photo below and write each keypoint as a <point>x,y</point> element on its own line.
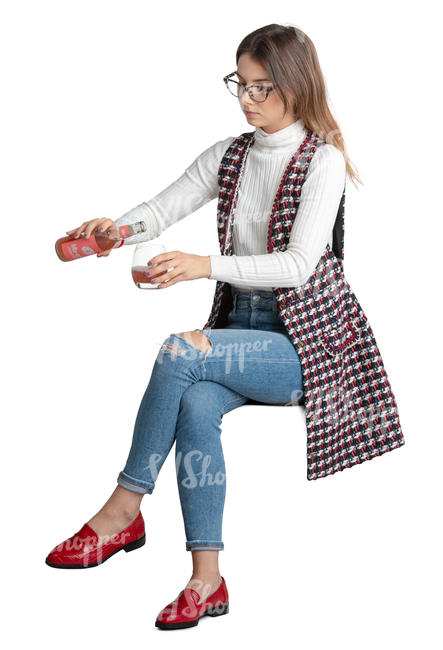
<point>250,113</point>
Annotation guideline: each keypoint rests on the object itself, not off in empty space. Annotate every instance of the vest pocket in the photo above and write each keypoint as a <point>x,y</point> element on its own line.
<point>335,344</point>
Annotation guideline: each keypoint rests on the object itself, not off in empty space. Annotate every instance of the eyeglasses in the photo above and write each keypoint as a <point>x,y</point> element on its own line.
<point>237,88</point>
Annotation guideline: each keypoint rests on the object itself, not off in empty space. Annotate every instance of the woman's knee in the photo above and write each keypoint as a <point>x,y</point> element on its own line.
<point>201,402</point>
<point>187,345</point>
<point>197,338</point>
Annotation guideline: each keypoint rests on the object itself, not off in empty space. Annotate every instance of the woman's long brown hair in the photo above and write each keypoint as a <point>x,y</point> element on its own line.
<point>291,61</point>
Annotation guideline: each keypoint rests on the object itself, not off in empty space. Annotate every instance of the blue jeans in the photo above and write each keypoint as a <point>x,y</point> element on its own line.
<point>189,391</point>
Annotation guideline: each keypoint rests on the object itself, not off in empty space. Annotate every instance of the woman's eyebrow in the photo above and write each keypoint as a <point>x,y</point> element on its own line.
<point>237,72</point>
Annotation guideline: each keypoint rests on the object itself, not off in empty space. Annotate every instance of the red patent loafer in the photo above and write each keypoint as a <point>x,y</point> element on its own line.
<point>82,551</point>
<point>186,610</point>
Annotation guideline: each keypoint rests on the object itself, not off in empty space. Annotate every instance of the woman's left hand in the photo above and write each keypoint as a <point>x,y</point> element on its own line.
<point>182,266</point>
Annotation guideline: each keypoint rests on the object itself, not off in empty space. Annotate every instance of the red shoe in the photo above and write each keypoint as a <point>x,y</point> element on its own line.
<point>185,610</point>
<point>81,550</point>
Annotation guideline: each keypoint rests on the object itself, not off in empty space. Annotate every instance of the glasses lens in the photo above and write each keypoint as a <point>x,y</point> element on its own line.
<point>233,86</point>
<point>258,93</point>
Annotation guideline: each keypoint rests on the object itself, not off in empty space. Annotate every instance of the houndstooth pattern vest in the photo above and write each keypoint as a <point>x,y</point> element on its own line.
<point>351,412</point>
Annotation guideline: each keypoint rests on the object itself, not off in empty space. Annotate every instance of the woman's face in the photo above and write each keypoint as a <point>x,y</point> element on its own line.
<point>269,115</point>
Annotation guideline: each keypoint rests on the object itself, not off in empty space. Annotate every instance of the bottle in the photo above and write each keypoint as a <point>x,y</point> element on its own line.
<point>70,248</point>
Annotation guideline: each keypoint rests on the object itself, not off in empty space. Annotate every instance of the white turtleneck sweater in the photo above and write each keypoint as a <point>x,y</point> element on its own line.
<point>250,266</point>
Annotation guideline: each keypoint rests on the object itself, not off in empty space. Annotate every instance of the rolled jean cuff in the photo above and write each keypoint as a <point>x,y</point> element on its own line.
<point>204,545</point>
<point>126,481</point>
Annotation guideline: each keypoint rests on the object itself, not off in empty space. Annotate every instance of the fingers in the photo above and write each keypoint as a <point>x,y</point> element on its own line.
<point>180,277</point>
<point>165,276</point>
<point>107,225</point>
<point>75,232</point>
<point>159,272</point>
<point>88,227</point>
<point>83,229</point>
<point>91,226</point>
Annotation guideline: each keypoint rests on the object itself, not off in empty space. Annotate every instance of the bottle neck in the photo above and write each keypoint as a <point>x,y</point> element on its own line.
<point>131,229</point>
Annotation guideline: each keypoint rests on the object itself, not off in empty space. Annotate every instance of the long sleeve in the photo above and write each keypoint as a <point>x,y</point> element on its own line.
<point>196,186</point>
<point>317,210</point>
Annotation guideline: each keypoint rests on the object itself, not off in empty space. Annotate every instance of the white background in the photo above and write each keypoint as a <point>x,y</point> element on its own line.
<point>104,104</point>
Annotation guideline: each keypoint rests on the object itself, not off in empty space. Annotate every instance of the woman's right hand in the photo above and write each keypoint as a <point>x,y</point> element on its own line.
<point>88,227</point>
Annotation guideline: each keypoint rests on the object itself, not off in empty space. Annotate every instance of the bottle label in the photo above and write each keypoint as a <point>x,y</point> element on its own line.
<point>124,232</point>
<point>80,247</point>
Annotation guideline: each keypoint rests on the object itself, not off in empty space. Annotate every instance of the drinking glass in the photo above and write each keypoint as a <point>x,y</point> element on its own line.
<point>142,254</point>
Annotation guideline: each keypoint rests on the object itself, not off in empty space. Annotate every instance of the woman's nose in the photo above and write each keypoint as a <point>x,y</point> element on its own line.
<point>245,102</point>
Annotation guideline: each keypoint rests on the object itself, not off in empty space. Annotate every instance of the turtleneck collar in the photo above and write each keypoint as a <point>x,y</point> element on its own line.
<point>282,139</point>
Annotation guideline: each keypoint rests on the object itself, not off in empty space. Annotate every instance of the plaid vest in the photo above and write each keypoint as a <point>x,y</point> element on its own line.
<point>351,412</point>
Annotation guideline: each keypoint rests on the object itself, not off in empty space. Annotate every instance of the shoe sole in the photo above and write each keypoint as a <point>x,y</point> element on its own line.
<point>217,611</point>
<point>128,547</point>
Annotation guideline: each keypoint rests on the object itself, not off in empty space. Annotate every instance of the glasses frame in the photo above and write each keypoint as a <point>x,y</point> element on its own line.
<point>248,88</point>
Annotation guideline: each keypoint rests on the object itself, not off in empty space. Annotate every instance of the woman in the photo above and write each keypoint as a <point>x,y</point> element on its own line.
<point>200,375</point>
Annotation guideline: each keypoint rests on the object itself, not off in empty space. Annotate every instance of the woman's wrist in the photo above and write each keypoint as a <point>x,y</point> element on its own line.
<point>208,266</point>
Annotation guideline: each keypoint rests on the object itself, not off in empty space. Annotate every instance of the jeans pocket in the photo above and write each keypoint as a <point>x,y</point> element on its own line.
<point>238,309</point>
